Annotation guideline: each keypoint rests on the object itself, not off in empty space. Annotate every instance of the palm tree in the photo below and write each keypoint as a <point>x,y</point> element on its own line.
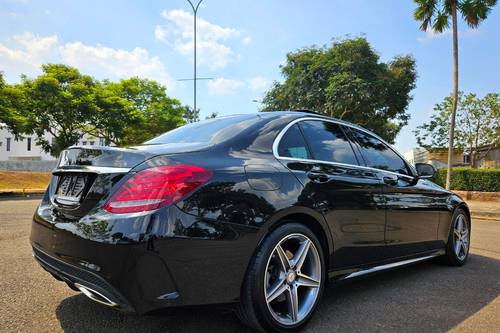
<point>436,14</point>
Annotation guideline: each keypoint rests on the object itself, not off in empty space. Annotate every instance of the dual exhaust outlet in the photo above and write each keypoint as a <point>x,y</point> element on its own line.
<point>95,295</point>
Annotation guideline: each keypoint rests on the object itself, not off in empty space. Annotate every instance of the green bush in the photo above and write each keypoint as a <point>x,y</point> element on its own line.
<point>467,179</point>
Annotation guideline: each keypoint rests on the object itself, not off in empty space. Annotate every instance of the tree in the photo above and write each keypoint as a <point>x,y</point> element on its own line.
<point>212,115</point>
<point>113,115</point>
<point>191,115</point>
<point>477,124</point>
<point>347,81</point>
<point>67,105</point>
<point>59,102</point>
<point>156,112</point>
<point>436,14</point>
<point>11,102</point>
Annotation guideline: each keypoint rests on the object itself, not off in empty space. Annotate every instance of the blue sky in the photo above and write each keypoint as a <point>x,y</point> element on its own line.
<point>241,45</point>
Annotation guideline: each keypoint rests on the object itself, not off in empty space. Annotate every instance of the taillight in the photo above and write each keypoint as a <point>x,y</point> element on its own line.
<point>157,187</point>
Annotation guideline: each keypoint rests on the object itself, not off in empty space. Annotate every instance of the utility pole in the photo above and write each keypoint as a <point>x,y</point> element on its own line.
<point>195,10</point>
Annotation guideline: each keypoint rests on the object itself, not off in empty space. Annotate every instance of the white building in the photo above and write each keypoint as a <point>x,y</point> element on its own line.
<point>417,155</point>
<point>25,149</point>
<point>438,157</point>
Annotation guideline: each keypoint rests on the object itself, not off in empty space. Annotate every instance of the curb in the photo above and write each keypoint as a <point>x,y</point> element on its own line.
<point>486,216</point>
<point>21,193</point>
<point>478,196</point>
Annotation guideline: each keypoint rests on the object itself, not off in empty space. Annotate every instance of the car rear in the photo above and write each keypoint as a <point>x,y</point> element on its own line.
<point>93,226</point>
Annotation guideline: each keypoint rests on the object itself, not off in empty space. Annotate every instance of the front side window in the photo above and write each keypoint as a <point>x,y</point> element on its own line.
<point>292,144</point>
<point>328,142</point>
<point>7,144</point>
<point>28,147</point>
<point>378,155</point>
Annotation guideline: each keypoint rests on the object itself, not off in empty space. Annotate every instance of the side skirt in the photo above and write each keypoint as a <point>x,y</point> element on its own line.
<point>356,272</point>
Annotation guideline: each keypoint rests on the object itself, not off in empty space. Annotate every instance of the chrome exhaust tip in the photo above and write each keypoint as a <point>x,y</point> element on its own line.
<point>95,295</point>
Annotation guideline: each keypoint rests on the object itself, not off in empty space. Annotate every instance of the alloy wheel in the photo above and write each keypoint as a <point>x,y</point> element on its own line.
<point>293,279</point>
<point>461,237</point>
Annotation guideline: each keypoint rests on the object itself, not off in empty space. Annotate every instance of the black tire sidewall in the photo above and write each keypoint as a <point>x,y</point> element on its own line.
<point>260,306</point>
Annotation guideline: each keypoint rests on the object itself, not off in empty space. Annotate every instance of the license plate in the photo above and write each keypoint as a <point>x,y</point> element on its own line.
<point>71,188</point>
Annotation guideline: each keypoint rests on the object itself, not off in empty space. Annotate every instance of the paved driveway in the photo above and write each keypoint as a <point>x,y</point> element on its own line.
<point>426,297</point>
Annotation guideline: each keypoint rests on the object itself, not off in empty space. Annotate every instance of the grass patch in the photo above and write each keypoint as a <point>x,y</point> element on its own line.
<point>18,180</point>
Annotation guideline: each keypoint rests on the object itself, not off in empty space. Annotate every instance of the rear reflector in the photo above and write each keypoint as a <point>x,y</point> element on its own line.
<point>157,187</point>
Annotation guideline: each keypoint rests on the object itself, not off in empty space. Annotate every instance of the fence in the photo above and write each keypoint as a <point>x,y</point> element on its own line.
<point>27,165</point>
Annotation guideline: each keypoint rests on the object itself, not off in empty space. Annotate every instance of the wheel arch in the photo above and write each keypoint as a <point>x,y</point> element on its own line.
<point>466,209</point>
<point>445,231</point>
<point>308,217</point>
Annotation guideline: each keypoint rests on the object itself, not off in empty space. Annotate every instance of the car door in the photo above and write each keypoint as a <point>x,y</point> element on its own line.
<point>412,216</point>
<point>348,196</point>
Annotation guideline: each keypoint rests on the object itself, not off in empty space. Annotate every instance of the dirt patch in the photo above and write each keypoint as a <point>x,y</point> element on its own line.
<point>19,180</point>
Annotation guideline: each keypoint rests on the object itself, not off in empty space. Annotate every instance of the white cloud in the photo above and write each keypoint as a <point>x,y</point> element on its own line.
<point>247,40</point>
<point>258,83</point>
<point>222,86</point>
<point>431,34</point>
<point>211,47</point>
<point>29,51</point>
<point>160,33</point>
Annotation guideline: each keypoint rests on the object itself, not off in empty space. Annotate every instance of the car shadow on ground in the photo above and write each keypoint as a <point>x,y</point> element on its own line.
<point>423,297</point>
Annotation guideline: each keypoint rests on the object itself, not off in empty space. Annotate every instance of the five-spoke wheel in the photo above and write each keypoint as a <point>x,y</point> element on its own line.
<point>457,249</point>
<point>284,281</point>
<point>461,237</point>
<point>292,279</point>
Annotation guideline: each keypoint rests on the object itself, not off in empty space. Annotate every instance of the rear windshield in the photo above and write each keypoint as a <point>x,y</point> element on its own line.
<point>210,131</point>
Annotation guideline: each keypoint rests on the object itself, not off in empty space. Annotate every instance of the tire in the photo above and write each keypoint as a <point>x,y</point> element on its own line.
<point>457,248</point>
<point>267,292</point>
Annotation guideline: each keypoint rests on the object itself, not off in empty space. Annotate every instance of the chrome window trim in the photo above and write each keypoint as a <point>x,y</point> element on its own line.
<point>285,129</point>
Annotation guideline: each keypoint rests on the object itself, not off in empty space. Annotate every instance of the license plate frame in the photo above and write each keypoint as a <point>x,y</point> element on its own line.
<point>70,188</point>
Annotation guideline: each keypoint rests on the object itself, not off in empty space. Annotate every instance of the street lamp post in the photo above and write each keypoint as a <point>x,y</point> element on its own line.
<point>195,10</point>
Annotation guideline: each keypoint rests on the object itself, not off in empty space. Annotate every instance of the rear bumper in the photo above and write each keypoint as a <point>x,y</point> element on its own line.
<point>142,263</point>
<point>92,285</point>
<point>131,277</point>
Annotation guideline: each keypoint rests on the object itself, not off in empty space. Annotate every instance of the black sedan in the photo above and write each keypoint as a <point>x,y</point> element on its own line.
<point>259,210</point>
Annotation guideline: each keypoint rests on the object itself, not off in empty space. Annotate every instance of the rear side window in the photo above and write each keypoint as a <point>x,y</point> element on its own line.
<point>292,144</point>
<point>328,142</point>
<point>378,155</point>
<point>211,131</point>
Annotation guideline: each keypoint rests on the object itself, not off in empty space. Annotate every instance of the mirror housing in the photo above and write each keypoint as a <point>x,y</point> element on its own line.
<point>425,170</point>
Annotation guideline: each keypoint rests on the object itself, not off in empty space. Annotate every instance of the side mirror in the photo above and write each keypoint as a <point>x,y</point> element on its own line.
<point>425,170</point>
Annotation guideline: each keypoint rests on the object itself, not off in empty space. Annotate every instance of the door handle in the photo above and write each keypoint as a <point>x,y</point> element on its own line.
<point>318,177</point>
<point>390,179</point>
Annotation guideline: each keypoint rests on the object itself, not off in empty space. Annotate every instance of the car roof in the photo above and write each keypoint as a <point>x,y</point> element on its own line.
<point>295,114</point>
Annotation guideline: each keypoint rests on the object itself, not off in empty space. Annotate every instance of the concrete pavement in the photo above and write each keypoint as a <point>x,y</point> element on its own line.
<point>426,297</point>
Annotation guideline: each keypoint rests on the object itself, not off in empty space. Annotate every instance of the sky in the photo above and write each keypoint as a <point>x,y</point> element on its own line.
<point>241,45</point>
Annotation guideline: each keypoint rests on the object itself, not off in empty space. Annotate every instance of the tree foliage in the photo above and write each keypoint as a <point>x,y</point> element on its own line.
<point>150,111</point>
<point>347,80</point>
<point>11,104</point>
<point>191,115</point>
<point>436,14</point>
<point>58,102</point>
<point>67,104</point>
<point>478,124</point>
